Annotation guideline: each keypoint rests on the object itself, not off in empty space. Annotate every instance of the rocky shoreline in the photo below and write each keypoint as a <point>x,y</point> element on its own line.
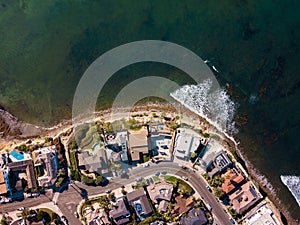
<point>14,131</point>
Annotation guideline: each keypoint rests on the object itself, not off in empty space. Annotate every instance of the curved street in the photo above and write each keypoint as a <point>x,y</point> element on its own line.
<point>69,199</point>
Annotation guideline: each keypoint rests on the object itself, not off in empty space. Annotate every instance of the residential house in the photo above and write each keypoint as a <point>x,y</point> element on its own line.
<point>231,180</point>
<point>244,197</point>
<point>218,164</point>
<point>19,162</point>
<point>139,201</point>
<point>118,144</point>
<point>182,205</point>
<point>185,143</point>
<point>160,141</point>
<point>120,213</point>
<point>262,214</point>
<point>27,166</point>
<point>194,217</point>
<point>138,145</point>
<point>46,163</point>
<point>101,219</point>
<point>94,160</point>
<point>161,194</point>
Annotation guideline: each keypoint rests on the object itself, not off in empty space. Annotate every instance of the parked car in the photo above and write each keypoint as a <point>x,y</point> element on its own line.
<point>208,188</point>
<point>185,178</point>
<point>76,214</point>
<point>108,191</point>
<point>29,195</point>
<point>64,219</point>
<point>156,173</point>
<point>21,208</point>
<point>209,207</point>
<point>231,220</point>
<point>35,194</point>
<point>146,165</point>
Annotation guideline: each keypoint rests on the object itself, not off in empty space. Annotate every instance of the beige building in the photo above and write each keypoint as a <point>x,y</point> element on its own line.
<point>138,144</point>
<point>25,165</point>
<point>161,194</point>
<point>244,197</point>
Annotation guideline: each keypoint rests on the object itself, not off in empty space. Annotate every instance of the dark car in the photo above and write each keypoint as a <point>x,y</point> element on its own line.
<point>208,188</point>
<point>231,220</point>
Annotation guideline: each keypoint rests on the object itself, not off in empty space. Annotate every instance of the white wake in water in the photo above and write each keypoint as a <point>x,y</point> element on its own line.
<point>215,106</point>
<point>293,184</point>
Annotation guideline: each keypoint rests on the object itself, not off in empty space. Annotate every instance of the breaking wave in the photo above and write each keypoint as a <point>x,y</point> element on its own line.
<point>213,105</point>
<point>293,184</point>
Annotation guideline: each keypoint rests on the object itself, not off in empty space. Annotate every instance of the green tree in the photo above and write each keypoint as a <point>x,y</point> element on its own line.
<point>232,212</point>
<point>111,196</point>
<point>104,202</point>
<point>205,135</point>
<point>99,179</point>
<point>193,154</point>
<point>4,221</point>
<point>25,213</point>
<point>123,191</point>
<point>218,193</point>
<point>87,180</point>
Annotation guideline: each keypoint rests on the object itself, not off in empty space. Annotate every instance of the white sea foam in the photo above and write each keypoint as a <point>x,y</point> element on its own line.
<point>213,105</point>
<point>293,184</point>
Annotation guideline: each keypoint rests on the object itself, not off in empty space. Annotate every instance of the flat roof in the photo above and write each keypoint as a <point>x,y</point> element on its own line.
<point>184,144</point>
<point>138,140</point>
<point>266,219</point>
<point>138,143</point>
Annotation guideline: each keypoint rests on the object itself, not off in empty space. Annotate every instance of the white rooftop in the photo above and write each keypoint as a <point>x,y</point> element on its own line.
<point>185,143</point>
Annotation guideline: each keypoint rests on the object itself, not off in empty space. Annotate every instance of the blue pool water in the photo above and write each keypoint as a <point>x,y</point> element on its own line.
<point>17,155</point>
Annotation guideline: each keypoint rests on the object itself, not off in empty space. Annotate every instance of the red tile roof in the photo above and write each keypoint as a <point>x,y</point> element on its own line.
<point>231,181</point>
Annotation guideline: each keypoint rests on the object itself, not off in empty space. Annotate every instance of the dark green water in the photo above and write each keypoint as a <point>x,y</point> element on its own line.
<point>45,46</point>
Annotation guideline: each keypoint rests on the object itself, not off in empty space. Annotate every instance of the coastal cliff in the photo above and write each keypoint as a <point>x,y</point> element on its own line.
<point>13,128</point>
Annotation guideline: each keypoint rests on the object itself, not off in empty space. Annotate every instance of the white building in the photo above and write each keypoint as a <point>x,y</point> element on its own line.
<point>185,144</point>
<point>261,215</point>
<point>46,159</point>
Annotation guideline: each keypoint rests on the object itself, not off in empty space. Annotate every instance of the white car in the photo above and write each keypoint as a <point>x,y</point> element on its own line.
<point>146,165</point>
<point>21,208</point>
<point>185,178</point>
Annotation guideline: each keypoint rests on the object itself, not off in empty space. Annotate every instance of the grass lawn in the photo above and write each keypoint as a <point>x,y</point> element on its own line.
<point>140,184</point>
<point>170,179</point>
<point>156,179</point>
<point>182,185</point>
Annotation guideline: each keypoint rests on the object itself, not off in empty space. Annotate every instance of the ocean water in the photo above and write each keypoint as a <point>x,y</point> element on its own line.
<point>46,46</point>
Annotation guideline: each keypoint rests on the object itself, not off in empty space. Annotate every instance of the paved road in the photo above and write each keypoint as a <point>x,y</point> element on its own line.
<point>27,203</point>
<point>195,180</point>
<point>70,198</point>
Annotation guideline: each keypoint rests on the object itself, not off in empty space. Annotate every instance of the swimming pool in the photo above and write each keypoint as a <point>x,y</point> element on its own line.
<point>17,155</point>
